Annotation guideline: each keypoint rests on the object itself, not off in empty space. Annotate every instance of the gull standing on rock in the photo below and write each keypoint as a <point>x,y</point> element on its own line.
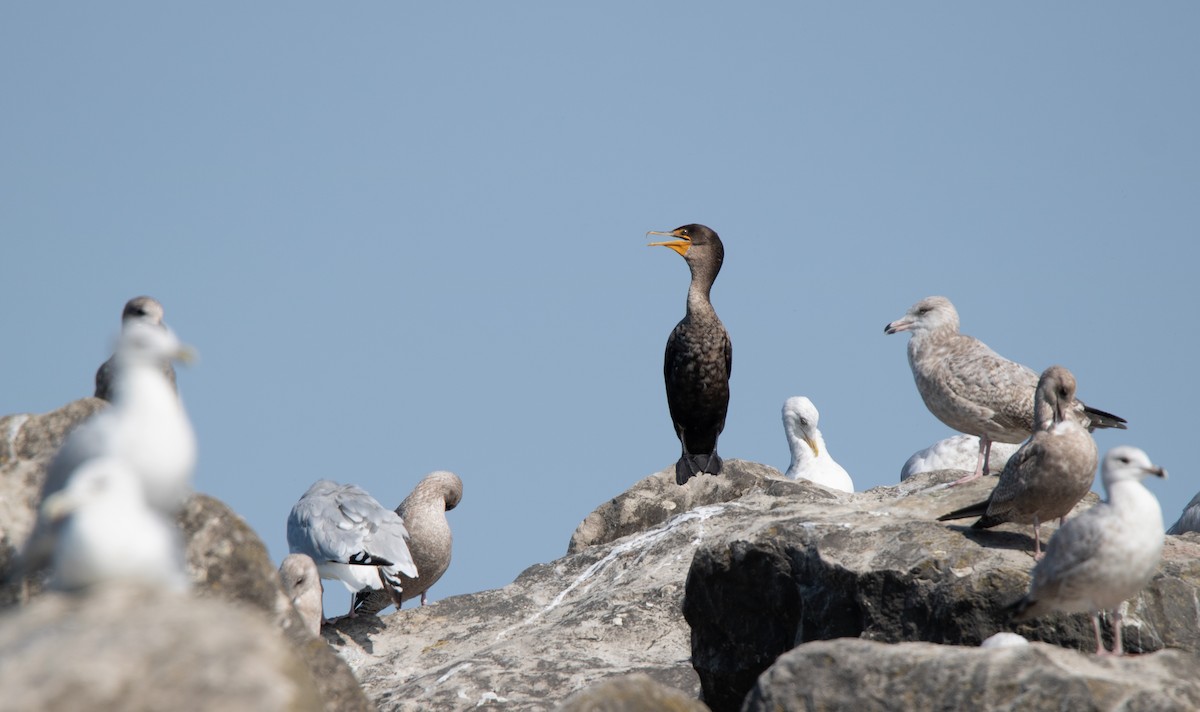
<point>352,538</point>
<point>1050,473</point>
<point>699,357</point>
<point>103,532</point>
<point>302,585</point>
<point>1189,521</point>
<point>144,310</point>
<point>958,452</point>
<point>810,458</point>
<point>429,537</point>
<point>972,388</point>
<point>1107,554</point>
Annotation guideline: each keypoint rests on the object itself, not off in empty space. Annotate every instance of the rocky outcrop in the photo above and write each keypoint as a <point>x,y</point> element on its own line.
<point>631,693</point>
<point>866,676</point>
<point>132,649</point>
<point>878,567</point>
<point>27,443</point>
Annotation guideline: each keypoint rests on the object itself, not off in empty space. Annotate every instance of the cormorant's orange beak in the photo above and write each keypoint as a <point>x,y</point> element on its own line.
<point>681,246</point>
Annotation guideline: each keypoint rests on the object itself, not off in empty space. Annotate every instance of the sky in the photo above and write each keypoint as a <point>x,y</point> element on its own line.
<point>409,237</point>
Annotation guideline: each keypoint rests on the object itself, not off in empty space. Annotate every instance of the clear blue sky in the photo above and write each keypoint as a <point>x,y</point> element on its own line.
<point>407,238</point>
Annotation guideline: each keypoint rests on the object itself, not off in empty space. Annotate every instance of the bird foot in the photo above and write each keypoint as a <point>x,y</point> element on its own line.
<point>964,480</point>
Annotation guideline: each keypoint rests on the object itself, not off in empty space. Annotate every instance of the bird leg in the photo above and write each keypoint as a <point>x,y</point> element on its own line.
<point>1100,649</point>
<point>423,600</point>
<point>981,466</point>
<point>1037,539</point>
<point>1118,646</point>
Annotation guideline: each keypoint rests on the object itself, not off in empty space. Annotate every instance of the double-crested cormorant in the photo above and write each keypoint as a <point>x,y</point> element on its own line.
<point>699,357</point>
<point>972,388</point>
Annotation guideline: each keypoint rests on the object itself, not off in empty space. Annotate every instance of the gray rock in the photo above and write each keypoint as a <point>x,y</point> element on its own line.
<point>135,649</point>
<point>878,567</point>
<point>228,561</point>
<point>657,498</point>
<point>864,676</point>
<point>631,693</point>
<point>27,443</point>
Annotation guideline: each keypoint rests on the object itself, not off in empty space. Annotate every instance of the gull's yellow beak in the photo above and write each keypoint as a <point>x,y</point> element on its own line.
<point>813,444</point>
<point>681,245</point>
<point>186,355</point>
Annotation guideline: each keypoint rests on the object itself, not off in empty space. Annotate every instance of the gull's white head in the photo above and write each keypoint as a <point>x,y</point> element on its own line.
<point>143,309</point>
<point>1127,463</point>
<point>800,418</point>
<point>99,481</point>
<point>929,314</point>
<point>142,342</point>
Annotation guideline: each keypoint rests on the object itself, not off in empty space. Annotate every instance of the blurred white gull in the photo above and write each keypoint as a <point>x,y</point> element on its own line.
<point>302,585</point>
<point>1189,521</point>
<point>146,427</point>
<point>103,532</point>
<point>144,310</point>
<point>352,538</point>
<point>971,388</point>
<point>959,452</point>
<point>1107,554</point>
<point>810,458</point>
<point>1049,474</point>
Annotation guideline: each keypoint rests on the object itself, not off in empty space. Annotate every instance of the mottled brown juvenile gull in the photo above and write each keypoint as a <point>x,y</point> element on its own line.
<point>430,540</point>
<point>1050,473</point>
<point>958,452</point>
<point>698,358</point>
<point>971,388</point>
<point>1189,521</point>
<point>302,585</point>
<point>103,531</point>
<point>352,538</point>
<point>145,310</point>
<point>1107,554</point>
<point>810,458</point>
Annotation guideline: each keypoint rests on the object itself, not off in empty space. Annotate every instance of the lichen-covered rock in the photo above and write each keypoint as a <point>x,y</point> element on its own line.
<point>631,693</point>
<point>137,649</point>
<point>865,676</point>
<point>877,566</point>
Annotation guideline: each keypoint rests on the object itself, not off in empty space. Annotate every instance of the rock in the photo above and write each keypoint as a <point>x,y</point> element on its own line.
<point>136,649</point>
<point>657,498</point>
<point>631,693</point>
<point>609,610</point>
<point>27,443</point>
<point>863,675</point>
<point>876,566</point>
<point>227,560</point>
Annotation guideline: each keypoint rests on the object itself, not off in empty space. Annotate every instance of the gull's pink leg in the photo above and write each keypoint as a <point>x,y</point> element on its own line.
<point>1100,650</point>
<point>1037,539</point>
<point>985,451</point>
<point>1118,646</point>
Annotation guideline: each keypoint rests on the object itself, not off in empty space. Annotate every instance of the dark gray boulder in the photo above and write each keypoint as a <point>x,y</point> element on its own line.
<point>867,676</point>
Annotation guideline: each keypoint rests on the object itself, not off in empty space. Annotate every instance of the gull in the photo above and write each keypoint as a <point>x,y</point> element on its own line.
<point>1189,521</point>
<point>1107,554</point>
<point>1050,473</point>
<point>103,531</point>
<point>971,388</point>
<point>958,452</point>
<point>810,458</point>
<point>144,310</point>
<point>302,585</point>
<point>352,538</point>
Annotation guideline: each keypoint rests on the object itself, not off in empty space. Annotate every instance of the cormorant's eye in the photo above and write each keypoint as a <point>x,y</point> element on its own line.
<point>683,231</point>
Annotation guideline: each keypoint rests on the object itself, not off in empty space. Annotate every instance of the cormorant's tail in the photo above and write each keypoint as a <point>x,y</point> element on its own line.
<point>689,465</point>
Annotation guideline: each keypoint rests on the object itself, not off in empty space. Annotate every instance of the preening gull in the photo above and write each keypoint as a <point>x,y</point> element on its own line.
<point>810,458</point>
<point>103,531</point>
<point>302,585</point>
<point>352,538</point>
<point>959,452</point>
<point>699,357</point>
<point>1189,521</point>
<point>1107,554</point>
<point>145,310</point>
<point>429,537</point>
<point>1050,473</point>
<point>972,388</point>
